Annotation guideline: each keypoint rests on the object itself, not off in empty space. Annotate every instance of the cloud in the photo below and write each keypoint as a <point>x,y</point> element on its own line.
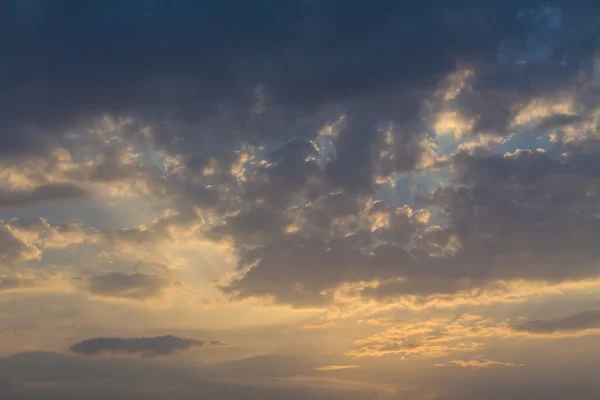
<point>573,323</point>
<point>365,160</point>
<point>508,220</point>
<point>335,237</point>
<point>335,367</point>
<point>143,347</point>
<point>261,65</point>
<point>483,363</point>
<point>184,65</point>
<point>524,215</point>
<point>135,285</point>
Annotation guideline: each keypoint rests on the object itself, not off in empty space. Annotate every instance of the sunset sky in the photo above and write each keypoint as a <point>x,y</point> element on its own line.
<point>299,199</point>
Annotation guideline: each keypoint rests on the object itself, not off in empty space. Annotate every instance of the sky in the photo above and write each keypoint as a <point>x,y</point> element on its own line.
<point>299,199</point>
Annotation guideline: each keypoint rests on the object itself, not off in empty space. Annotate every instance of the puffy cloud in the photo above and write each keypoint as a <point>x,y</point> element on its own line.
<point>144,347</point>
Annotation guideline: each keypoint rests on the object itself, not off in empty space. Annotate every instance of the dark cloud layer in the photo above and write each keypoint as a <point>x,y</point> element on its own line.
<point>196,62</point>
<point>240,94</point>
<point>144,347</point>
<point>348,154</point>
<point>224,55</point>
<point>571,323</point>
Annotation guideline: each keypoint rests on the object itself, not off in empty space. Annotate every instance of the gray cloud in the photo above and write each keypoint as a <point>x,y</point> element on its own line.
<point>571,323</point>
<point>524,215</point>
<point>527,213</point>
<point>144,347</point>
<point>331,241</point>
<point>261,83</point>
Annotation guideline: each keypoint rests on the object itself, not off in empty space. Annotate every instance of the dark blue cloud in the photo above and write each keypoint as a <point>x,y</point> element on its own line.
<point>146,347</point>
<point>190,60</point>
<point>211,76</point>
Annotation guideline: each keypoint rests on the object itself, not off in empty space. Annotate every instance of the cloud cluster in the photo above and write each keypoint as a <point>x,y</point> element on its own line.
<point>309,173</point>
<point>353,158</point>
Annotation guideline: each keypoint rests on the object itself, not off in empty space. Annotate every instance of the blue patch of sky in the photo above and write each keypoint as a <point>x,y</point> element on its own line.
<point>524,139</point>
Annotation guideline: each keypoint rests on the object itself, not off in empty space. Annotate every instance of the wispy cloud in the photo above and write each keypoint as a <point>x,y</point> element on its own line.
<point>484,363</point>
<point>336,367</point>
